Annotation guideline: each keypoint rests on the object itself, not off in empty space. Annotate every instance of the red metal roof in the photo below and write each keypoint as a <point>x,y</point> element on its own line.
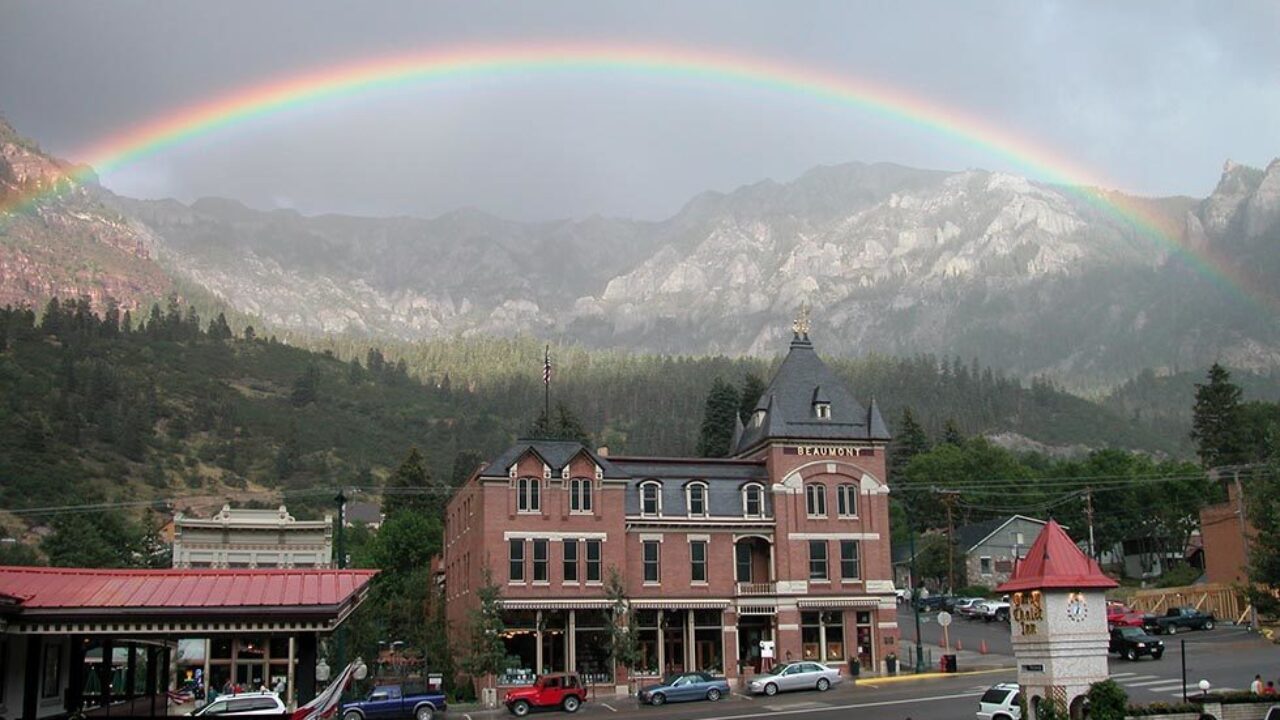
<point>1054,561</point>
<point>47,588</point>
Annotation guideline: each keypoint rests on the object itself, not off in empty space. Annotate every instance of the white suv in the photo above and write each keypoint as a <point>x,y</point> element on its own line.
<point>255,703</point>
<point>1001,702</point>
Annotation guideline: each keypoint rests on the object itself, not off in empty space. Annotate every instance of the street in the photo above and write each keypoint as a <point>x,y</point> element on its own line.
<point>1228,657</point>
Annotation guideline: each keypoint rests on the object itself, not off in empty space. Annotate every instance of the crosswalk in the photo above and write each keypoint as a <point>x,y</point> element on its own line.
<point>1132,681</point>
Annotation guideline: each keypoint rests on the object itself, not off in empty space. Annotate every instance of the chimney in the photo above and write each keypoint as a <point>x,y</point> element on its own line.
<point>603,451</point>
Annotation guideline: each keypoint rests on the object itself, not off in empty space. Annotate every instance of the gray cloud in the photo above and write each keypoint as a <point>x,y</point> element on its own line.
<point>1150,96</point>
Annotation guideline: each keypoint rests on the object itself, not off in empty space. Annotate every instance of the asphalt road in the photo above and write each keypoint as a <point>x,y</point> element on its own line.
<point>1228,657</point>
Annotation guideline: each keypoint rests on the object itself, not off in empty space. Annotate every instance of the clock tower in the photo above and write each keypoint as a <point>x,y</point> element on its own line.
<point>1058,620</point>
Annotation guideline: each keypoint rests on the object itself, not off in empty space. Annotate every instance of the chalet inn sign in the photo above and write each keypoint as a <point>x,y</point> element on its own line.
<point>826,450</point>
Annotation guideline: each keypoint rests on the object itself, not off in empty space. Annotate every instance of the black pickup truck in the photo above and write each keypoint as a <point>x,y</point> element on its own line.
<point>1132,643</point>
<point>1175,620</point>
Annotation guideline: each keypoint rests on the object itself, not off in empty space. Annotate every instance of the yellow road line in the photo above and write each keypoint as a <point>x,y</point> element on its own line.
<point>928,676</point>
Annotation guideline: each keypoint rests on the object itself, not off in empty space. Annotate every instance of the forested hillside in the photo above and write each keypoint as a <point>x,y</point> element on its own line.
<point>121,409</point>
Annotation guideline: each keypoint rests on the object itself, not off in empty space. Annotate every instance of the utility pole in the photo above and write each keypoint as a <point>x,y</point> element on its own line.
<point>949,499</point>
<point>1088,513</point>
<point>915,589</point>
<point>341,547</point>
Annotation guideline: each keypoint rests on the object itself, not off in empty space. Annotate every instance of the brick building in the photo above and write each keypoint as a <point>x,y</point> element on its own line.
<point>1225,532</point>
<point>785,541</point>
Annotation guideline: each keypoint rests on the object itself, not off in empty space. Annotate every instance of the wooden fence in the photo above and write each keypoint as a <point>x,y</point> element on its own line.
<point>1226,602</point>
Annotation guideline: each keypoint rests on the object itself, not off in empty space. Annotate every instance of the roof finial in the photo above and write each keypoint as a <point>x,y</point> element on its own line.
<point>800,326</point>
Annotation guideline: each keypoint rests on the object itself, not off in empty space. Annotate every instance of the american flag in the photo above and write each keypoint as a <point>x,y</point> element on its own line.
<point>326,703</point>
<point>546,368</point>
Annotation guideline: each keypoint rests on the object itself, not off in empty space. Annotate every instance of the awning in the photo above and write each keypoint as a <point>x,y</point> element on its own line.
<point>838,602</point>
<point>663,604</point>
<point>602,604</point>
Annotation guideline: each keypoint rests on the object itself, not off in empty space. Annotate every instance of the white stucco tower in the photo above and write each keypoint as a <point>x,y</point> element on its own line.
<point>1058,618</point>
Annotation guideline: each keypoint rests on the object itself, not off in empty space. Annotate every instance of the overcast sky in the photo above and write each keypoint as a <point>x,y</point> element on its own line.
<point>1150,96</point>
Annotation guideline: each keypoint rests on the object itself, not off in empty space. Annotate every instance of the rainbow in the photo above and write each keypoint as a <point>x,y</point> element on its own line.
<point>366,76</point>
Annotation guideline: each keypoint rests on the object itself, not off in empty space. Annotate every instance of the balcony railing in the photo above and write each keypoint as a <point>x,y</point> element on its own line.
<point>757,588</point>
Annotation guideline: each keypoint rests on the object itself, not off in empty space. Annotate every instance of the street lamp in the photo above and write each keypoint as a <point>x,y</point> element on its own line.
<point>1204,687</point>
<point>322,671</point>
<point>360,671</point>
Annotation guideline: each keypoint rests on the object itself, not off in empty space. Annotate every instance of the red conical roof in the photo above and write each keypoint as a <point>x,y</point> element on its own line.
<point>1054,561</point>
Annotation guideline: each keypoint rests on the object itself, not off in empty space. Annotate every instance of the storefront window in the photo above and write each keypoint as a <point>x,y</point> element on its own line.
<point>591,646</point>
<point>822,636</point>
<point>833,627</point>
<point>555,633</point>
<point>810,636</point>
<point>521,642</point>
<point>673,632</point>
<point>647,623</point>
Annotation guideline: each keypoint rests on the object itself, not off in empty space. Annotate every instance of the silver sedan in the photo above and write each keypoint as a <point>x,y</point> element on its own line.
<point>795,676</point>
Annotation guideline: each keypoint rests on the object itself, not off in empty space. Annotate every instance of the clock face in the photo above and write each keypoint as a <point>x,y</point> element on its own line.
<point>1077,610</point>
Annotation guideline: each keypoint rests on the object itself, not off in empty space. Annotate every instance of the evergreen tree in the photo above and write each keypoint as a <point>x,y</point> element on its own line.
<point>219,329</point>
<point>306,387</point>
<point>564,425</point>
<point>465,462</point>
<point>752,388</point>
<point>910,440</point>
<point>409,488</point>
<point>1216,422</point>
<point>718,418</point>
<point>249,334</point>
<point>101,539</point>
<point>1262,497</point>
<point>951,434</point>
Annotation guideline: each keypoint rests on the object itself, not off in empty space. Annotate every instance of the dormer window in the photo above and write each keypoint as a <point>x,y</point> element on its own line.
<point>651,498</point>
<point>822,411</point>
<point>757,418</point>
<point>696,499</point>
<point>753,500</point>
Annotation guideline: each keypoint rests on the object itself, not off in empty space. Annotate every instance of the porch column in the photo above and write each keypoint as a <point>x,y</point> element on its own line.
<point>104,673</point>
<point>208,649</point>
<point>153,659</point>
<point>537,635</point>
<point>773,570</point>
<point>31,682</point>
<point>131,672</point>
<point>74,699</point>
<point>689,651</point>
<point>571,657</point>
<point>290,687</point>
<point>662,646</point>
<point>306,673</point>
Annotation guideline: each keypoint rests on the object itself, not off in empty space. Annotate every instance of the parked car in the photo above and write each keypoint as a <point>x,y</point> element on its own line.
<point>550,691</point>
<point>995,610</point>
<point>1121,615</point>
<point>684,686</point>
<point>795,676</point>
<point>1178,619</point>
<point>1001,702</point>
<point>255,703</point>
<point>396,701</point>
<point>1132,643</point>
<point>932,603</point>
<point>966,606</point>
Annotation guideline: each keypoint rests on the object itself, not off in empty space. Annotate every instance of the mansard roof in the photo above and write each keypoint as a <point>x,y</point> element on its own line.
<point>801,381</point>
<point>555,454</point>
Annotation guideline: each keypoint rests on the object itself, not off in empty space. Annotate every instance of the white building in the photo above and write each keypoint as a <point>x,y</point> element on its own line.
<point>245,538</point>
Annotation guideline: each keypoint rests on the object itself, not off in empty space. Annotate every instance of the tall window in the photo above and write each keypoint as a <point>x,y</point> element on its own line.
<point>818,560</point>
<point>580,495</point>
<point>593,561</point>
<point>847,500</point>
<point>516,561</point>
<point>650,498</point>
<point>742,561</point>
<point>753,500</point>
<point>571,561</point>
<point>651,561</point>
<point>815,500</point>
<point>849,565</point>
<point>527,495</point>
<point>696,495</point>
<point>698,561</point>
<point>539,560</point>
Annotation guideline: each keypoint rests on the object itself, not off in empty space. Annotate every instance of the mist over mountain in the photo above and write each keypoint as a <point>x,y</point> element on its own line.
<point>1025,276</point>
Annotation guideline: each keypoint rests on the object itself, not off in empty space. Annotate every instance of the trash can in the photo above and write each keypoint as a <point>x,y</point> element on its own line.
<point>948,663</point>
<point>891,664</point>
<point>855,667</point>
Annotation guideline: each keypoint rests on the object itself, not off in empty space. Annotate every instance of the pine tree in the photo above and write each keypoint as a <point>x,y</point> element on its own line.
<point>718,418</point>
<point>1216,424</point>
<point>409,487</point>
<point>752,388</point>
<point>909,441</point>
<point>951,434</point>
<point>306,388</point>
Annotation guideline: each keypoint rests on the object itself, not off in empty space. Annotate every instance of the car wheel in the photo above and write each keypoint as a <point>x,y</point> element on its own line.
<point>713,694</point>
<point>657,699</point>
<point>1173,629</point>
<point>1001,717</point>
<point>1157,655</point>
<point>571,704</point>
<point>823,684</point>
<point>1208,624</point>
<point>1130,654</point>
<point>520,708</point>
<point>426,712</point>
<point>770,689</point>
<point>352,715</point>
<point>1002,616</point>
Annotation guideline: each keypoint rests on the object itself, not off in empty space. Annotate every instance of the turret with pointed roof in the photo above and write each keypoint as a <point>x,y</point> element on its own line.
<point>805,400</point>
<point>1054,562</point>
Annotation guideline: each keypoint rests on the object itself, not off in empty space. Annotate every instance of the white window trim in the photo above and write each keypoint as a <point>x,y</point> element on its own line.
<point>657,500</point>
<point>759,489</point>
<point>533,481</point>
<point>575,485</point>
<point>822,411</point>
<point>688,499</point>
<point>823,498</point>
<point>658,561</point>
<point>988,571</point>
<point>850,491</point>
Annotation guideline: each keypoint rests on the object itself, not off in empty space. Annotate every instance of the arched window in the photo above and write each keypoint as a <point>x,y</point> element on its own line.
<point>580,495</point>
<point>696,499</point>
<point>753,500</point>
<point>528,495</point>
<point>847,500</point>
<point>815,500</point>
<point>651,498</point>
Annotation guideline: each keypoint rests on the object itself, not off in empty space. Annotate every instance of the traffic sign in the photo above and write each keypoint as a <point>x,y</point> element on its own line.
<point>944,618</point>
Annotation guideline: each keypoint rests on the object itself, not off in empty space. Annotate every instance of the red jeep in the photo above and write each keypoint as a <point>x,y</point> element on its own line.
<point>557,690</point>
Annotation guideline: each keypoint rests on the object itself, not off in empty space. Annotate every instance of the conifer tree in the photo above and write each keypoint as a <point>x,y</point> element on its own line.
<point>752,388</point>
<point>951,434</point>
<point>1216,422</point>
<point>910,440</point>
<point>718,420</point>
<point>409,487</point>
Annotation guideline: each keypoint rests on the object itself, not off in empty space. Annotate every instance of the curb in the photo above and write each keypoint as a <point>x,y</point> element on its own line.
<point>929,676</point>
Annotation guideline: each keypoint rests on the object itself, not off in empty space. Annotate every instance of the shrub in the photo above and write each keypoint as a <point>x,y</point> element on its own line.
<point>1228,698</point>
<point>973,591</point>
<point>1161,709</point>
<point>1180,576</point>
<point>1107,701</point>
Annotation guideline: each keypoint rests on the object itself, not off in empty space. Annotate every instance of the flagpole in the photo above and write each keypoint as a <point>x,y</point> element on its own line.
<point>546,386</point>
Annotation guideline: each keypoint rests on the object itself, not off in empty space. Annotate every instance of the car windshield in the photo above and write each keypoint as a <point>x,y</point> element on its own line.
<point>1131,632</point>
